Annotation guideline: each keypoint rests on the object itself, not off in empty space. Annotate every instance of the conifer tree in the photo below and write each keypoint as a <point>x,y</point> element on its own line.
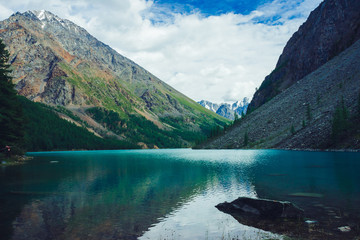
<point>246,139</point>
<point>11,118</point>
<point>308,112</point>
<point>358,105</point>
<point>340,120</point>
<point>242,114</point>
<point>236,117</point>
<point>292,129</point>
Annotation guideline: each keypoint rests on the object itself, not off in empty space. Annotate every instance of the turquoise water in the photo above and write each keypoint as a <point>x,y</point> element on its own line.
<point>165,194</point>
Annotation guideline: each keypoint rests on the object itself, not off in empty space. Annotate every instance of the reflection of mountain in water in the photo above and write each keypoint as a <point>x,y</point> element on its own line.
<point>117,197</point>
<point>322,183</point>
<point>122,194</point>
<point>322,176</point>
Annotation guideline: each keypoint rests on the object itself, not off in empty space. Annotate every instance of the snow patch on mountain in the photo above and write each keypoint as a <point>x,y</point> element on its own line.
<point>47,17</point>
<point>227,110</point>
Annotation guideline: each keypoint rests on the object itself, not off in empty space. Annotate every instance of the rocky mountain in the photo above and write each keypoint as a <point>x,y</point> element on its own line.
<point>303,116</point>
<point>56,62</point>
<point>240,106</point>
<point>318,111</point>
<point>209,105</point>
<point>227,110</point>
<point>331,28</point>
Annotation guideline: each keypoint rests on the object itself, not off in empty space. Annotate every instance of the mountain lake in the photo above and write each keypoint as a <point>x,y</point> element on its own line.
<point>170,193</point>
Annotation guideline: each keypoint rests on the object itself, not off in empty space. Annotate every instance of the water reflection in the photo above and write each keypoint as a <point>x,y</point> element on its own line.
<point>162,193</point>
<point>329,178</point>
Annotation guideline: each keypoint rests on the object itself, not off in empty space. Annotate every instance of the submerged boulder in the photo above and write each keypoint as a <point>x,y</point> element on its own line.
<point>286,218</point>
<point>263,208</point>
<point>275,216</point>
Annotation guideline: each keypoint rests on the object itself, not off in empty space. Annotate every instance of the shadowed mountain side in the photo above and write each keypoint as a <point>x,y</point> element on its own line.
<point>302,115</point>
<point>331,28</point>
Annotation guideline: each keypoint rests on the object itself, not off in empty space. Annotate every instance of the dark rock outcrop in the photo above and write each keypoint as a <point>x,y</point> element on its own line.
<point>329,30</point>
<point>274,216</point>
<point>287,219</point>
<point>262,208</point>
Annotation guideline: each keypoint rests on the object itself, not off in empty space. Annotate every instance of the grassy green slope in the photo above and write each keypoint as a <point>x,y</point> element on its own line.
<point>45,130</point>
<point>172,119</point>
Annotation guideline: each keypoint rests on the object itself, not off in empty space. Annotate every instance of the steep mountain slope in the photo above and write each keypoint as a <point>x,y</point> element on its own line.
<point>303,115</point>
<point>227,110</point>
<point>44,130</point>
<point>57,62</point>
<point>330,29</point>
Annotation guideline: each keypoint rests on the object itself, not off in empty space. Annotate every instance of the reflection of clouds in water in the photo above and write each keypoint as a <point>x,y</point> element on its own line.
<point>131,191</point>
<point>239,157</point>
<point>118,194</point>
<point>199,219</point>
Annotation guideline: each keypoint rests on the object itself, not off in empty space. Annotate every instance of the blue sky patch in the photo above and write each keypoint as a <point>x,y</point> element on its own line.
<point>210,8</point>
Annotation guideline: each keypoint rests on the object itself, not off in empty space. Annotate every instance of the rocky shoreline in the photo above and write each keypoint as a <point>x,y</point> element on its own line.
<point>318,150</point>
<point>14,160</point>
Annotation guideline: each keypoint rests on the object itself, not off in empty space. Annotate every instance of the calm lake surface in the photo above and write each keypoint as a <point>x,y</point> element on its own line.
<point>165,194</point>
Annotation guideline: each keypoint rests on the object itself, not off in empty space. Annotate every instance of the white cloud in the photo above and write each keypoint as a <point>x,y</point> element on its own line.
<point>5,12</point>
<point>218,58</point>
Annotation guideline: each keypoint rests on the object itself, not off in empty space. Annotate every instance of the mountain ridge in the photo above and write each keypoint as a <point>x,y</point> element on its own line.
<point>56,62</point>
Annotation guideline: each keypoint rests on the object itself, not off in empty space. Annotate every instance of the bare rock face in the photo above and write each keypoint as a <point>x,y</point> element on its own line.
<point>329,30</point>
<point>59,92</point>
<point>41,44</point>
<point>35,64</point>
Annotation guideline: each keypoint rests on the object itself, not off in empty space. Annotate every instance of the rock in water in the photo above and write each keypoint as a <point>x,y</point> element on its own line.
<point>344,229</point>
<point>269,215</point>
<point>263,208</point>
<point>285,218</point>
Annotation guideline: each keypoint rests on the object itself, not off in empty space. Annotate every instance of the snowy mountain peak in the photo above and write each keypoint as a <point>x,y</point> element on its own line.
<point>44,15</point>
<point>236,105</point>
<point>240,104</point>
<point>39,14</point>
<point>48,18</point>
<point>209,105</point>
<point>225,109</point>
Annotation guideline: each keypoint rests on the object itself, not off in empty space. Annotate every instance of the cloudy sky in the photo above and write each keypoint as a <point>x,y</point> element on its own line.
<point>207,49</point>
